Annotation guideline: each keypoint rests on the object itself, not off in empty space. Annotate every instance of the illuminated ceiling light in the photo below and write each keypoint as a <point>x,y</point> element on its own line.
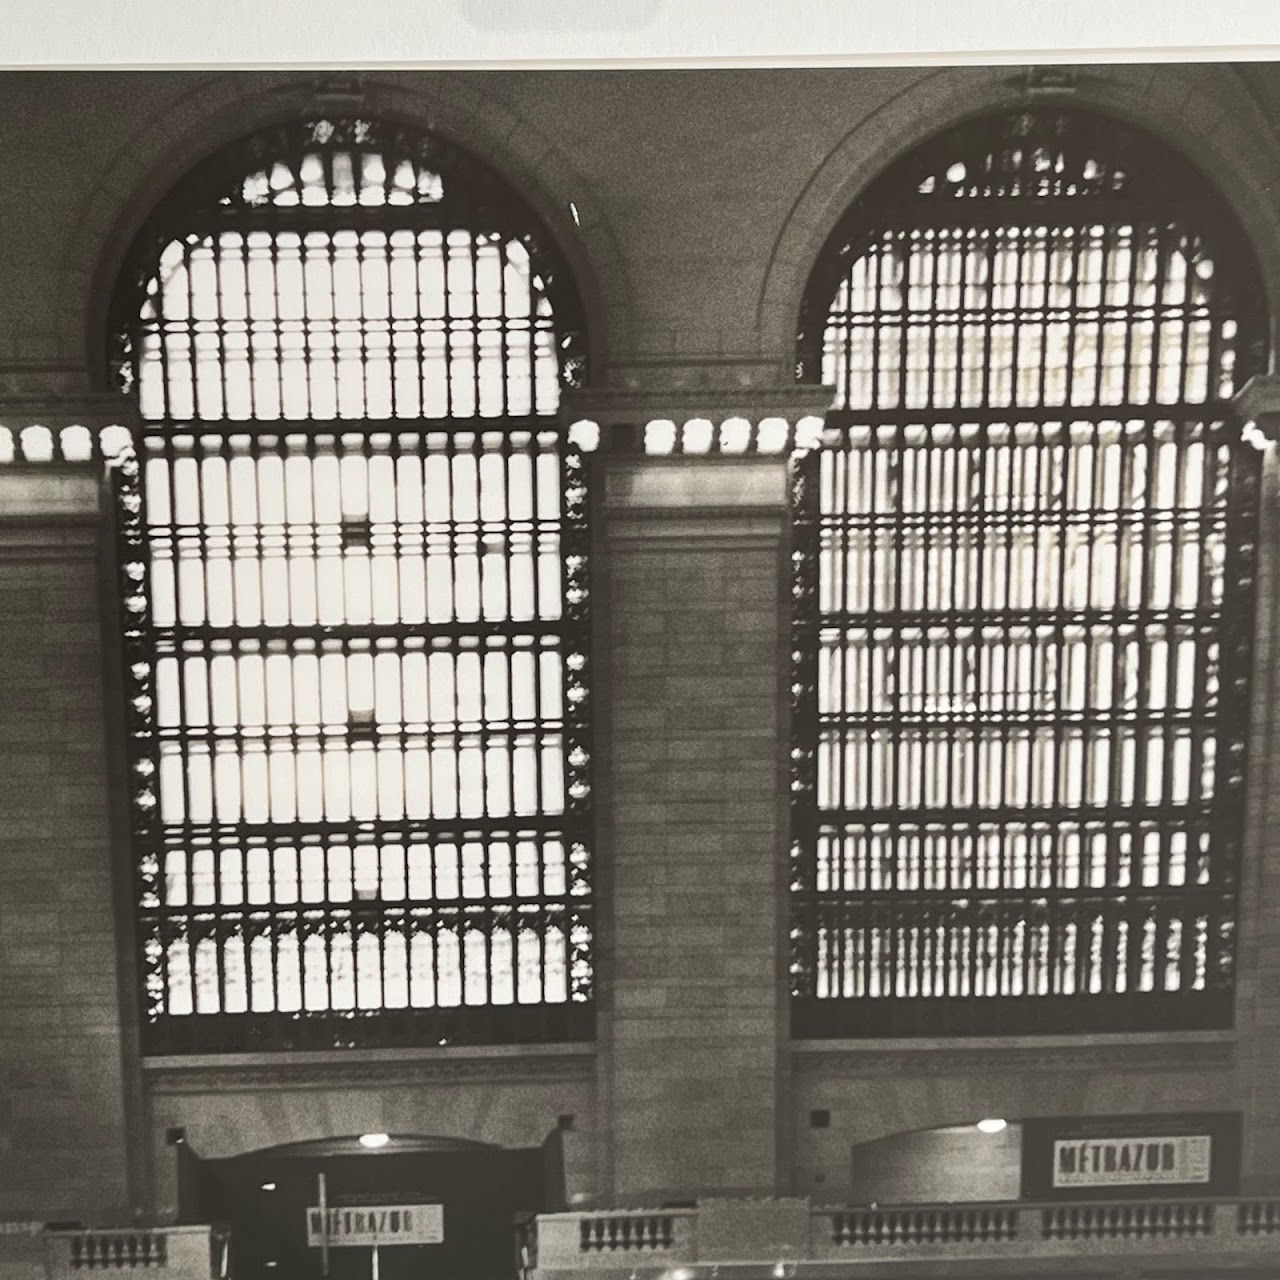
<point>372,1141</point>
<point>268,1186</point>
<point>993,1125</point>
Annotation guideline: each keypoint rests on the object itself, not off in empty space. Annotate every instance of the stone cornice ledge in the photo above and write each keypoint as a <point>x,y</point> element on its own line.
<point>697,484</point>
<point>634,406</point>
<point>44,402</point>
<point>44,503</point>
<point>707,530</point>
<point>1138,1051</point>
<point>368,1068</point>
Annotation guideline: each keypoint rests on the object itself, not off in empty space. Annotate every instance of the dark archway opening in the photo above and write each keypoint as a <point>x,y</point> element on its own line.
<point>266,1199</point>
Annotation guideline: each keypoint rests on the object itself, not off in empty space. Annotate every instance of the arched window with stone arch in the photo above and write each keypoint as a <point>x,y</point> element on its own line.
<point>353,537</point>
<point>1024,604</point>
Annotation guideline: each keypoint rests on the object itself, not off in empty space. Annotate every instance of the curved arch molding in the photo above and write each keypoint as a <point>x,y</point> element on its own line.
<point>225,106</point>
<point>1205,112</point>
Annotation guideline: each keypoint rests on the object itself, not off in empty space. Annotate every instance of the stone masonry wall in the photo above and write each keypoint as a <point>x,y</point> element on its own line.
<point>693,830</point>
<point>62,1145</point>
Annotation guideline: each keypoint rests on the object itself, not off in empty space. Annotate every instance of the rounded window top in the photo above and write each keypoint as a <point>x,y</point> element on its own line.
<point>337,162</point>
<point>1001,244</point>
<point>417,233</point>
<point>1043,154</point>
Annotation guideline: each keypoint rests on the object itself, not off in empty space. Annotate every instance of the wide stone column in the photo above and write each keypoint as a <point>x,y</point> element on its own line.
<point>691,696</point>
<point>694,823</point>
<point>1258,955</point>
<point>62,1084</point>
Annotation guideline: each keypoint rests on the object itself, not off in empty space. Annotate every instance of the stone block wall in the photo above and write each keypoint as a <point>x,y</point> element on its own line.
<point>62,1128</point>
<point>692,206</point>
<point>693,825</point>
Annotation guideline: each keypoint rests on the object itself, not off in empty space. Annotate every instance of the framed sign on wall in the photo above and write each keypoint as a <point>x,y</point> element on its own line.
<point>1098,1157</point>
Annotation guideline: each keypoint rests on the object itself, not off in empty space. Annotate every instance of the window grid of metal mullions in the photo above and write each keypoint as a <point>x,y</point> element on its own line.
<point>1023,602</point>
<point>356,629</point>
<point>240,864</point>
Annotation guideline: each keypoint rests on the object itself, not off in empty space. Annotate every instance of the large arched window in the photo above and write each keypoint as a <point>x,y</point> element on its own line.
<point>1024,603</point>
<point>354,546</point>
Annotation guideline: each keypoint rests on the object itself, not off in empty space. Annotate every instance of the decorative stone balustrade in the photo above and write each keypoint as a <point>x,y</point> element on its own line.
<point>183,1253</point>
<point>667,1244</point>
<point>587,1241</point>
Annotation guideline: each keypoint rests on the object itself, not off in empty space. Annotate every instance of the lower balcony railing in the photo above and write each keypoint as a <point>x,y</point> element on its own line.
<point>782,1239</point>
<point>182,1253</point>
<point>680,1242</point>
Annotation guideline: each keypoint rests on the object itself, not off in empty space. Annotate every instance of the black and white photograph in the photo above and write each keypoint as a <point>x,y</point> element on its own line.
<point>639,670</point>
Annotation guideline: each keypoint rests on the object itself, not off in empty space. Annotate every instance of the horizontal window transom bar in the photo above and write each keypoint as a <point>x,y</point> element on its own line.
<point>356,1028</point>
<point>848,1017</point>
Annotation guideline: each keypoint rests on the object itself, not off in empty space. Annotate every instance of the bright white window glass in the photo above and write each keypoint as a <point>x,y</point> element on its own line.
<point>261,535</point>
<point>1013,454</point>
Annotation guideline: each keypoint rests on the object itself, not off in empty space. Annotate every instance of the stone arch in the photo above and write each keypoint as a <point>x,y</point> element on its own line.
<point>349,1144</point>
<point>230,105</point>
<point>902,1102</point>
<point>235,1113</point>
<point>1205,113</point>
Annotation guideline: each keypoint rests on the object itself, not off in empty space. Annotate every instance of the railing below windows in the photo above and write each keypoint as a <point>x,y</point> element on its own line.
<point>1182,1233</point>
<point>988,1230</point>
<point>602,1240</point>
<point>182,1253</point>
<point>860,1228</point>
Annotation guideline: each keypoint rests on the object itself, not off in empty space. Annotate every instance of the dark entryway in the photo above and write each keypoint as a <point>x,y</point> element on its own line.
<point>264,1197</point>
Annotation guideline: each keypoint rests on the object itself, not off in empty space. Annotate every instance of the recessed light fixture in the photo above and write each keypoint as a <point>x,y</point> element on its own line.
<point>268,1186</point>
<point>372,1141</point>
<point>993,1125</point>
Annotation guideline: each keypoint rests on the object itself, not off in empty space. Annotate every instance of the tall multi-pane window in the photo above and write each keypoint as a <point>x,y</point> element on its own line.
<point>353,543</point>
<point>1024,610</point>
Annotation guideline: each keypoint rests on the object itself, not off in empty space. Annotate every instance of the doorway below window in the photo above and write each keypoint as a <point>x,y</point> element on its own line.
<point>267,1197</point>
